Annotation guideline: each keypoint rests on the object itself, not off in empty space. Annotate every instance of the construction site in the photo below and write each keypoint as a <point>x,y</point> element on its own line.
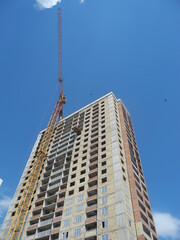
<point>84,178</point>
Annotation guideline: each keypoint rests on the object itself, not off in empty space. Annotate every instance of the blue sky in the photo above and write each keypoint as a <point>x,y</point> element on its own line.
<point>130,47</point>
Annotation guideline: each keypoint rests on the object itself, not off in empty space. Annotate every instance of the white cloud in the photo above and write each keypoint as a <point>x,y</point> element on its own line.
<point>47,3</point>
<point>4,204</point>
<point>167,226</point>
<point>1,181</point>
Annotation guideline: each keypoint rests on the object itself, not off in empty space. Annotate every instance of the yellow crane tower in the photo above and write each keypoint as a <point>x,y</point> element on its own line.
<point>19,218</point>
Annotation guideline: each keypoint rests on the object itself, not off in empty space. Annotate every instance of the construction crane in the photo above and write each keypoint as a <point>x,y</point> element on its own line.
<point>20,215</point>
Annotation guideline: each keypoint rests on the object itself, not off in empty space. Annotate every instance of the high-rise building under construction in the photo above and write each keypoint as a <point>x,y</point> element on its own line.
<point>92,184</point>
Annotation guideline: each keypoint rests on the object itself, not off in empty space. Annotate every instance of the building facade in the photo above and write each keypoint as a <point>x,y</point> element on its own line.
<point>92,185</point>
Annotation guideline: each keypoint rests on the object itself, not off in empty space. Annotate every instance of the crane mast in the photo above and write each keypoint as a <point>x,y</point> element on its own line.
<point>40,157</point>
<point>60,78</point>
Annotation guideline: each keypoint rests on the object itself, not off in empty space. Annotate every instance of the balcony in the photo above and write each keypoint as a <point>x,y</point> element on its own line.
<point>93,158</point>
<point>37,208</point>
<point>55,231</point>
<point>92,164</point>
<point>91,216</point>
<point>59,211</point>
<point>62,191</point>
<point>53,186</point>
<point>91,231</point>
<point>94,152</point>
<point>50,200</point>
<point>34,218</point>
<point>91,238</point>
<point>93,174</point>
<point>60,201</point>
<point>92,179</point>
<point>91,208</point>
<point>55,179</point>
<point>92,220</point>
<point>45,223</point>
<point>40,200</point>
<point>32,227</point>
<point>43,235</point>
<point>57,219</point>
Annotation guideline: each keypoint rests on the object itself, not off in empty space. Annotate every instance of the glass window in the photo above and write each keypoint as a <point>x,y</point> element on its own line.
<point>104,211</point>
<point>80,197</point>
<point>69,201</point>
<point>104,224</point>
<point>105,237</point>
<point>104,189</point>
<point>79,208</point>
<point>68,211</point>
<point>78,219</point>
<point>64,235</point>
<point>104,199</point>
<point>66,222</point>
<point>77,231</point>
<point>131,237</point>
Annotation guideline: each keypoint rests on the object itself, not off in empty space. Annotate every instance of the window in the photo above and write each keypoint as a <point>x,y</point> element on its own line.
<point>78,219</point>
<point>83,165</point>
<point>82,180</point>
<point>80,197</point>
<point>81,189</point>
<point>75,162</point>
<point>104,189</point>
<point>77,232</point>
<point>74,168</point>
<point>104,211</point>
<point>148,205</point>
<point>142,206</point>
<point>69,201</point>
<point>104,180</point>
<point>73,176</point>
<point>104,171</point>
<point>103,149</point>
<point>66,222</point>
<point>72,184</point>
<point>105,237</point>
<point>103,163</point>
<point>71,192</point>
<point>104,199</point>
<point>150,216</point>
<point>83,172</point>
<point>68,211</point>
<point>79,208</point>
<point>104,224</point>
<point>146,230</point>
<point>131,237</point>
<point>144,218</point>
<point>64,235</point>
